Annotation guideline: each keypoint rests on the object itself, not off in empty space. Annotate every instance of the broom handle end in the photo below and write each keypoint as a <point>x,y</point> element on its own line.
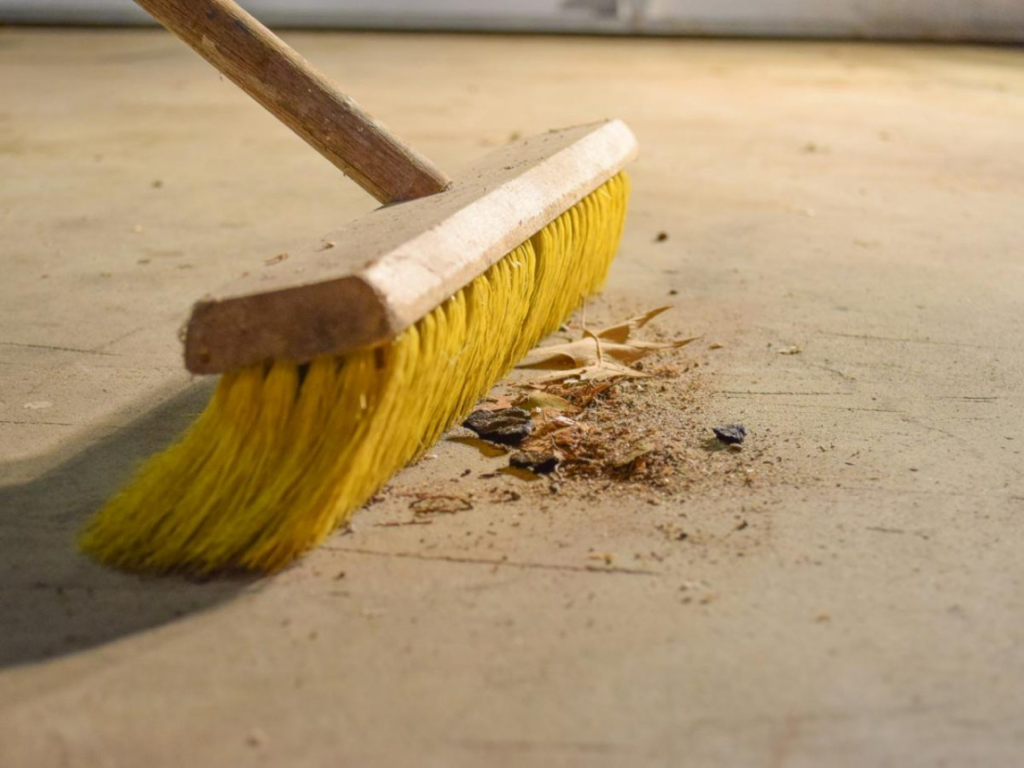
<point>300,96</point>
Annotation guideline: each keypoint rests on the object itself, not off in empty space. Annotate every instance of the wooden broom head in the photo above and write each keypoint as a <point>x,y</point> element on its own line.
<point>364,284</point>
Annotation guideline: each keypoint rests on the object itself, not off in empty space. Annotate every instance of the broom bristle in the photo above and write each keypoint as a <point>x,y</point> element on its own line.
<point>285,453</point>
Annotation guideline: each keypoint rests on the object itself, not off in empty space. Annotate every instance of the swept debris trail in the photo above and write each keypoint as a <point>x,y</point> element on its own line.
<point>615,414</point>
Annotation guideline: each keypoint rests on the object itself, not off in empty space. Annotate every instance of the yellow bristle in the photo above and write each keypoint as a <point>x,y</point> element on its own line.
<point>284,453</point>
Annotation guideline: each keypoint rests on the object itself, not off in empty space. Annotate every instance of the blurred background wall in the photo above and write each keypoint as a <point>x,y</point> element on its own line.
<point>976,20</point>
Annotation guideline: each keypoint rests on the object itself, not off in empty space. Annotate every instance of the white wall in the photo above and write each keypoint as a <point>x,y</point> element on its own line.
<point>915,19</point>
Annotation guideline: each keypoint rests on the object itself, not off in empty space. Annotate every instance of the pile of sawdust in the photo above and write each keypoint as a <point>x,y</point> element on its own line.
<point>613,430</point>
<point>594,432</point>
<point>645,440</point>
<point>647,437</point>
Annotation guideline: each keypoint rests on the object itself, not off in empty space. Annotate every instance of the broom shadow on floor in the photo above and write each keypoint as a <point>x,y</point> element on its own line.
<point>55,601</point>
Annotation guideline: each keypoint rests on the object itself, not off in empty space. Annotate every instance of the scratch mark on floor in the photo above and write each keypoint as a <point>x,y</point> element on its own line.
<point>742,393</point>
<point>784,744</point>
<point>823,407</point>
<point>522,745</point>
<point>909,340</point>
<point>120,337</point>
<point>54,348</point>
<point>834,371</point>
<point>907,419</point>
<point>502,563</point>
<point>43,423</point>
<point>970,398</point>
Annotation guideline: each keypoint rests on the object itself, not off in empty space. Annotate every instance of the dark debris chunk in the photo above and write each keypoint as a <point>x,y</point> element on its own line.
<point>730,434</point>
<point>541,462</point>
<point>508,426</point>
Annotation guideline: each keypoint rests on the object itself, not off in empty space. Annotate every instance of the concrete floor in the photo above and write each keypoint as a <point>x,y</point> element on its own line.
<point>863,202</point>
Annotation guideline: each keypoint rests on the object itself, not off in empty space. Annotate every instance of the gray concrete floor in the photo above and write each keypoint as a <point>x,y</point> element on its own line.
<point>863,202</point>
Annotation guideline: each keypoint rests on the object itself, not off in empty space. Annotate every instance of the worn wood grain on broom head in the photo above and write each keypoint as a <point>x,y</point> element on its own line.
<point>367,282</point>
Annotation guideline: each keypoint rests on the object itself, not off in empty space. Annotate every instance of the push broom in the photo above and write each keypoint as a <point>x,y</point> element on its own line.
<point>350,359</point>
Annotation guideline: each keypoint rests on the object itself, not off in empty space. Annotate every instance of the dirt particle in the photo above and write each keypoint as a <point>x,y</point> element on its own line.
<point>439,504</point>
<point>672,532</point>
<point>256,738</point>
<point>505,495</point>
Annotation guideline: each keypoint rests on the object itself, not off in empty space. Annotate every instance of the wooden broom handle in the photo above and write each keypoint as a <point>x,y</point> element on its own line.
<point>260,63</point>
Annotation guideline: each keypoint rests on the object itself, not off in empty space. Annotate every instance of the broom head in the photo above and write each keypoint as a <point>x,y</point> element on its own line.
<point>349,360</point>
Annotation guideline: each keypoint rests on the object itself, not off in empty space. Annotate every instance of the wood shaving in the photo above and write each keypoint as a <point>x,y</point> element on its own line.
<point>603,355</point>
